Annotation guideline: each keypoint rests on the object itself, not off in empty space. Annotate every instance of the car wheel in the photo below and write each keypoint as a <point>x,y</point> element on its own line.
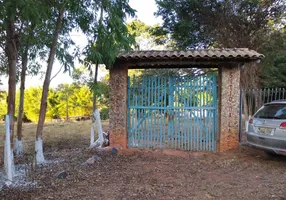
<point>271,153</point>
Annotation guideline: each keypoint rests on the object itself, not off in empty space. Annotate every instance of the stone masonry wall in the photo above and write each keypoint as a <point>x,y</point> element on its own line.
<point>229,108</point>
<point>118,107</point>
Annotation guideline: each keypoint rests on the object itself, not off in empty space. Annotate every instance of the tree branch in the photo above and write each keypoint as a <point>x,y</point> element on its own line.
<point>56,73</point>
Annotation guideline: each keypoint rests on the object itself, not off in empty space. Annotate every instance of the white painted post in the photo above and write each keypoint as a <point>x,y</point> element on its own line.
<point>99,127</point>
<point>8,161</point>
<point>40,159</point>
<point>18,148</point>
<point>92,132</point>
<point>99,142</point>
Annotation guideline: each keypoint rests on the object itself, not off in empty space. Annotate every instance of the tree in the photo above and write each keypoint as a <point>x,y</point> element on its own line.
<point>226,23</point>
<point>273,65</point>
<point>24,55</point>
<point>276,74</point>
<point>43,107</point>
<point>18,18</point>
<point>66,16</point>
<point>65,91</point>
<point>32,105</point>
<point>235,23</point>
<point>8,26</point>
<point>111,37</point>
<point>30,48</point>
<point>148,37</point>
<point>81,101</point>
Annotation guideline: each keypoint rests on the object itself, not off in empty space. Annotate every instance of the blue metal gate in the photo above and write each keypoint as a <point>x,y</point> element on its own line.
<point>172,112</point>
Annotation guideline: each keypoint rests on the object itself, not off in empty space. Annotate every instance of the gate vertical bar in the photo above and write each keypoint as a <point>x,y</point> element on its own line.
<point>128,111</point>
<point>201,113</point>
<point>207,114</point>
<point>135,135</point>
<point>148,120</point>
<point>160,94</point>
<point>214,139</point>
<point>185,117</point>
<point>190,100</point>
<point>145,81</point>
<point>165,106</point>
<point>171,112</point>
<point>195,115</point>
<point>133,111</point>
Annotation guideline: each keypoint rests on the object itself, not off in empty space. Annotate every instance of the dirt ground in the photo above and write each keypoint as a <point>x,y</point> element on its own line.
<point>155,174</point>
<point>244,173</point>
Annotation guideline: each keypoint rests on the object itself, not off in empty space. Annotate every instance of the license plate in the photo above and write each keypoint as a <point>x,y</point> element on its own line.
<point>264,130</point>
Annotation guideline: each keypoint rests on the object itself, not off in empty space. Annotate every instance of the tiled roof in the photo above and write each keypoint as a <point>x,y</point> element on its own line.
<point>196,54</point>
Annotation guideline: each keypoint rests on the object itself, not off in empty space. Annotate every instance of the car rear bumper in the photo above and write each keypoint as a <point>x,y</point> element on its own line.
<point>267,143</point>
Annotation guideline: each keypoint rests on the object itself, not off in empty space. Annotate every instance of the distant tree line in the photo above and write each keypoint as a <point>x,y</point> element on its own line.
<point>65,101</point>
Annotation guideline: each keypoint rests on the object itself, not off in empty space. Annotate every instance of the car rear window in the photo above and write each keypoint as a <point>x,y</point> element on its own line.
<point>272,111</point>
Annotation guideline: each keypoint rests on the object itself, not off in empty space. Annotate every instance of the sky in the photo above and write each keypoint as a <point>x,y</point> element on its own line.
<point>145,12</point>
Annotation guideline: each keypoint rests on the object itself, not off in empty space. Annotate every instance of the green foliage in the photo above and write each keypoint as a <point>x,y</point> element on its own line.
<point>35,23</point>
<point>3,104</point>
<point>32,103</point>
<point>148,37</point>
<point>80,76</point>
<point>112,34</point>
<point>253,24</point>
<point>275,77</point>
<point>78,99</point>
<point>221,23</point>
<point>81,101</point>
<point>273,65</point>
<point>101,91</point>
<point>104,113</point>
<point>139,28</point>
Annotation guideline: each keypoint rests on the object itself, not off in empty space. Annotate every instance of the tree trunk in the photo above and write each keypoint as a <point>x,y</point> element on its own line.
<point>12,54</point>
<point>95,87</point>
<point>43,107</point>
<point>92,134</point>
<point>18,144</point>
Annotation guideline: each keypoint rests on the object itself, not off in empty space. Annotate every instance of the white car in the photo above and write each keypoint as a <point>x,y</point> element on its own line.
<point>267,128</point>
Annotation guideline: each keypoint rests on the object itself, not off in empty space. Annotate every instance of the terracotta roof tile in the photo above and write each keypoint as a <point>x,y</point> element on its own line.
<point>227,54</point>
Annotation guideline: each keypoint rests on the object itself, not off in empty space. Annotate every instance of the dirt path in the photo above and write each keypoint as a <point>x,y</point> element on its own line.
<point>240,174</point>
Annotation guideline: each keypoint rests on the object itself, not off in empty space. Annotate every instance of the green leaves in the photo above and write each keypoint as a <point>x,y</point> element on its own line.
<point>149,37</point>
<point>273,65</point>
<point>111,35</point>
<point>221,23</point>
<point>78,99</point>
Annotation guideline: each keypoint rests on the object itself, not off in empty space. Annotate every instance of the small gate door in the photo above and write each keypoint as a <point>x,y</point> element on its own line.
<point>172,112</point>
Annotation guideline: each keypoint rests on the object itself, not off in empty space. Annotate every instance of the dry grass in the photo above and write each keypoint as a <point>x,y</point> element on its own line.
<point>57,136</point>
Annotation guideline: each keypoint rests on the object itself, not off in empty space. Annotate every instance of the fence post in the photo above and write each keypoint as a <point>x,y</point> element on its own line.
<point>7,151</point>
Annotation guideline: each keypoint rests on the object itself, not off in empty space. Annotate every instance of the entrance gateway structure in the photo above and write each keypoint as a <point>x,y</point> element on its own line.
<point>187,113</point>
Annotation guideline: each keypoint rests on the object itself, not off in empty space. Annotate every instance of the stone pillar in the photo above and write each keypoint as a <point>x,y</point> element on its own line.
<point>228,124</point>
<point>118,106</point>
